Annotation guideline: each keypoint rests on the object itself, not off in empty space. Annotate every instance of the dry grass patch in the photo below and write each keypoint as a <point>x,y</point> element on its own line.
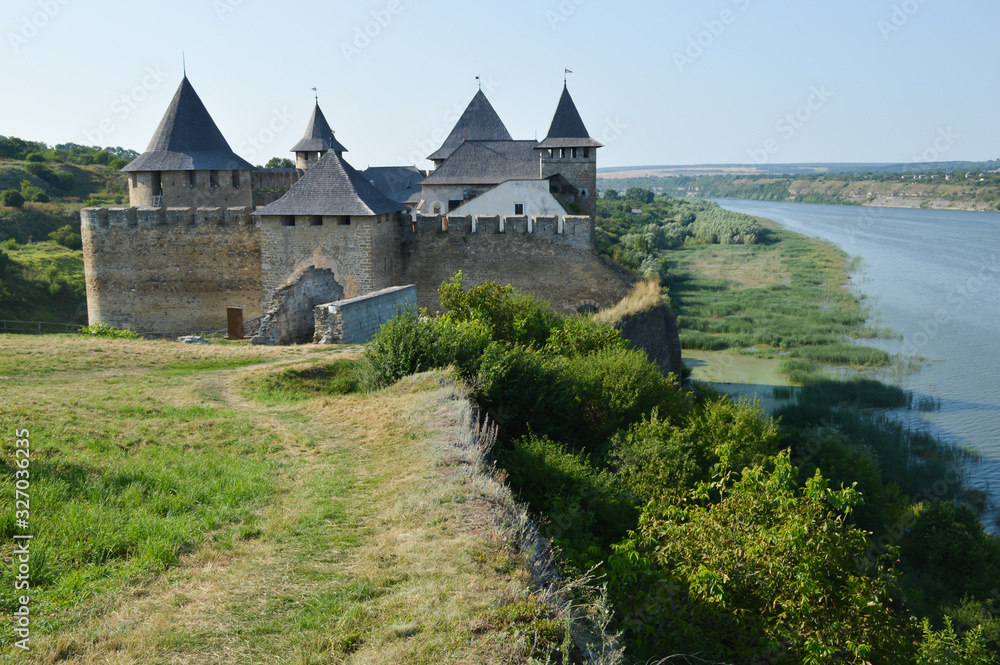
<point>644,296</point>
<point>741,269</point>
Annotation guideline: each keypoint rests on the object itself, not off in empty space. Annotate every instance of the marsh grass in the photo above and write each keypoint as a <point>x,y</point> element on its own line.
<point>791,302</point>
<point>179,518</point>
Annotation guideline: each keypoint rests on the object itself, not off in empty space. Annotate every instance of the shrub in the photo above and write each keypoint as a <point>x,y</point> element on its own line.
<point>512,317</point>
<point>403,345</point>
<point>612,388</point>
<point>32,193</point>
<point>766,573</point>
<point>583,506</point>
<point>67,237</point>
<point>523,391</point>
<point>11,198</point>
<point>104,330</point>
<point>580,335</point>
<point>34,157</point>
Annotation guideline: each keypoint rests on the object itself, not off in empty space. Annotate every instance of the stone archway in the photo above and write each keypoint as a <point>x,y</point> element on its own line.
<point>289,318</point>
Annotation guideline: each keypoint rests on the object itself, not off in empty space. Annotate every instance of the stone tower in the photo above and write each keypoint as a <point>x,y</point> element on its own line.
<point>569,151</point>
<point>188,162</point>
<point>317,140</point>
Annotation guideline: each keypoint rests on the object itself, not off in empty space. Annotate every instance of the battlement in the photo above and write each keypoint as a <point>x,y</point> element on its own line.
<point>144,217</point>
<point>573,230</point>
<point>277,179</point>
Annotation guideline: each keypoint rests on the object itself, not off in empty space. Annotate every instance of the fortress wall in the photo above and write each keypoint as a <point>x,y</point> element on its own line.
<point>555,260</point>
<point>363,255</point>
<point>170,270</point>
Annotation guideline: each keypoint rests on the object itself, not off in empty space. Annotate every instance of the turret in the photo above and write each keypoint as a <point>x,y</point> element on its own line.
<point>569,151</point>
<point>479,122</point>
<point>188,162</point>
<point>317,141</point>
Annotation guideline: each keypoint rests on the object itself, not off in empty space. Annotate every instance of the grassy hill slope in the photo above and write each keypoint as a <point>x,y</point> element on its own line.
<point>210,504</point>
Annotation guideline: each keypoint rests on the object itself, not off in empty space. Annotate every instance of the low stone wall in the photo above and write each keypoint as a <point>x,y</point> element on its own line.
<point>356,320</point>
<point>289,319</point>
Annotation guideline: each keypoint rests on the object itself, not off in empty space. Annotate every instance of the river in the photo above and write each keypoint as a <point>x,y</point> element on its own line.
<point>932,276</point>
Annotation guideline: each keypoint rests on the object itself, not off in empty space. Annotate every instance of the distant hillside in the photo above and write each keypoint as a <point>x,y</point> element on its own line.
<point>960,190</point>
<point>794,169</point>
<point>41,262</point>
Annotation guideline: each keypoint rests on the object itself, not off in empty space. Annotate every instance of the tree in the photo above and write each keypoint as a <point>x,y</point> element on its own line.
<point>639,194</point>
<point>11,198</point>
<point>67,237</point>
<point>762,571</point>
<point>279,163</point>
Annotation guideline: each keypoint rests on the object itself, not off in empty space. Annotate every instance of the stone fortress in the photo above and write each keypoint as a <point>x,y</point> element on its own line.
<point>207,231</point>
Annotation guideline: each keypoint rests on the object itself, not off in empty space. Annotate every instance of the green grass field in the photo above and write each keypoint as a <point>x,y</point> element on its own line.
<point>238,504</point>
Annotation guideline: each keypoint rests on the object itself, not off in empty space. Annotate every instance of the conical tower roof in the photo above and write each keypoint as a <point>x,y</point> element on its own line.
<point>332,187</point>
<point>567,128</point>
<point>188,140</point>
<point>479,122</point>
<point>318,136</point>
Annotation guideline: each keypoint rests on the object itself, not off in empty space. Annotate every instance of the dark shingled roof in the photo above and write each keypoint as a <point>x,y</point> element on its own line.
<point>399,183</point>
<point>488,163</point>
<point>318,136</point>
<point>567,128</point>
<point>188,140</point>
<point>479,123</point>
<point>332,187</point>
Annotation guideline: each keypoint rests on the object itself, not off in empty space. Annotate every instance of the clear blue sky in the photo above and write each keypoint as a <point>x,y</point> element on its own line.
<point>665,82</point>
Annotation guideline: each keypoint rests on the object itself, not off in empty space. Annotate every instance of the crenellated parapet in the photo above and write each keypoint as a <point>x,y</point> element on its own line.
<point>550,256</point>
<point>187,219</point>
<point>575,231</point>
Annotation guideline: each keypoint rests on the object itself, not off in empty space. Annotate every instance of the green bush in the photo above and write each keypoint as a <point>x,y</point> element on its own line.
<point>584,507</point>
<point>34,157</point>
<point>658,458</point>
<point>512,317</point>
<point>580,335</point>
<point>767,572</point>
<point>67,237</point>
<point>523,391</point>
<point>104,330</point>
<point>612,388</point>
<point>404,345</point>
<point>11,198</point>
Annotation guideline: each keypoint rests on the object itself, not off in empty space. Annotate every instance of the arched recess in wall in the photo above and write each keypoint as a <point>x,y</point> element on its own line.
<point>587,307</point>
<point>437,208</point>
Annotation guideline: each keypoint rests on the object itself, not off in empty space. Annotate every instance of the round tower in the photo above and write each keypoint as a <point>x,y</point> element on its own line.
<point>188,162</point>
<point>569,152</point>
